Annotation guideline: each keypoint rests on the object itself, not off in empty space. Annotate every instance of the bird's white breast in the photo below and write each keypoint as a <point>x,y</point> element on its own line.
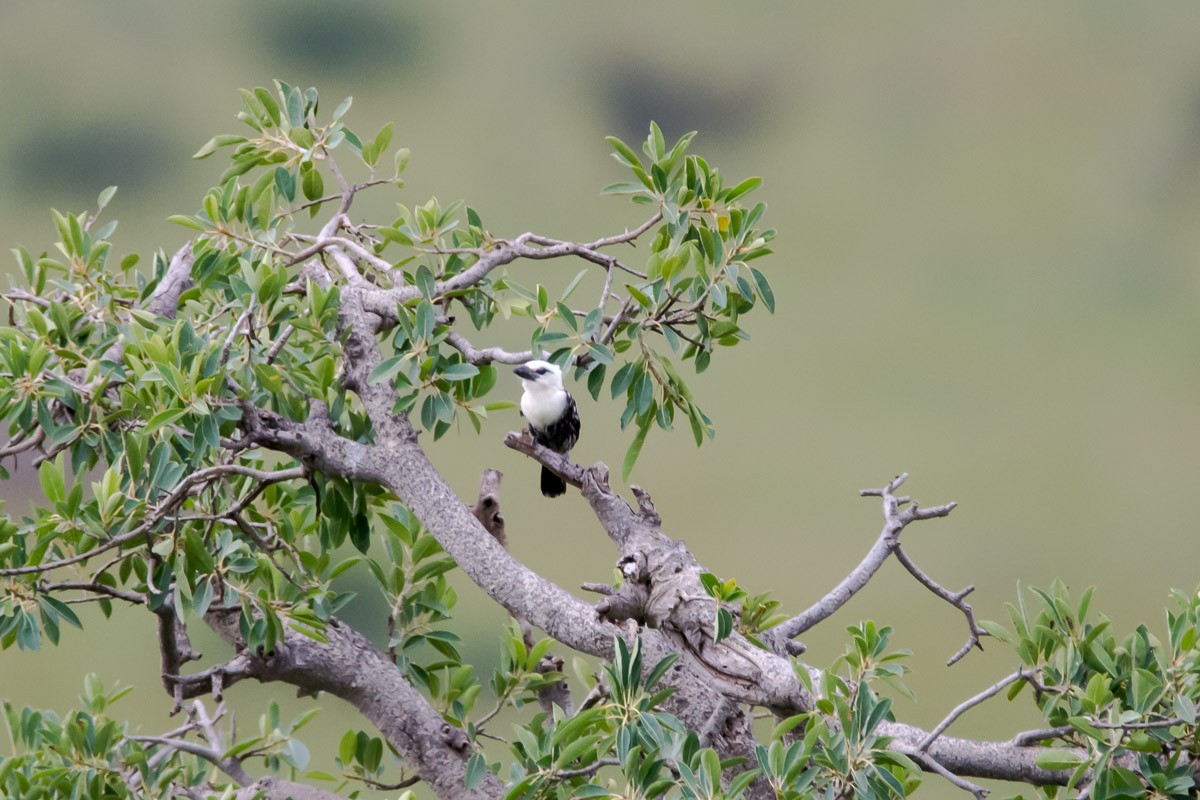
<point>543,408</point>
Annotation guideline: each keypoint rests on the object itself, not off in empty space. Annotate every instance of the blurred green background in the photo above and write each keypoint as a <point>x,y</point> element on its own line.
<point>986,275</point>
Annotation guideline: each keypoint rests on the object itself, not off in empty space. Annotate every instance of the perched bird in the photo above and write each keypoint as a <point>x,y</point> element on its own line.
<point>551,413</point>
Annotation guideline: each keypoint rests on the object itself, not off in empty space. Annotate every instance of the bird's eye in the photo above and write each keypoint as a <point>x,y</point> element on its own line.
<point>541,371</point>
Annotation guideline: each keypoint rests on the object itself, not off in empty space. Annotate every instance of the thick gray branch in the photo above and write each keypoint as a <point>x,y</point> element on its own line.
<point>349,666</point>
<point>978,759</point>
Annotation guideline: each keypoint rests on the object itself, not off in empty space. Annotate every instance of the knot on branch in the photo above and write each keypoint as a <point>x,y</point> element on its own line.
<point>626,603</point>
<point>645,505</point>
<point>455,737</point>
<point>557,693</point>
<point>487,507</point>
<point>597,482</point>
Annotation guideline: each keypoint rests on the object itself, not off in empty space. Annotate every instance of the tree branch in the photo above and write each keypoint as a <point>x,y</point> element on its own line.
<point>348,666</point>
<point>974,631</point>
<point>896,517</point>
<point>487,355</point>
<point>968,704</point>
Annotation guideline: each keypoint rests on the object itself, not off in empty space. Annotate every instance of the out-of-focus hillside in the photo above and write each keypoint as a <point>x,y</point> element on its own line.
<point>987,273</point>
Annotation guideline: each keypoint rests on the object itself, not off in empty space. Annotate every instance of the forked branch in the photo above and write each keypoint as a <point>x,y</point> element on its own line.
<point>898,513</point>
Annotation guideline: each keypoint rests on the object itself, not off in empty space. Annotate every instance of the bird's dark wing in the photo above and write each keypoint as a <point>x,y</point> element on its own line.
<point>561,435</point>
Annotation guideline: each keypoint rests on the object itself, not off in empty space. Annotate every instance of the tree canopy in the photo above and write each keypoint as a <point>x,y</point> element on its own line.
<point>222,433</point>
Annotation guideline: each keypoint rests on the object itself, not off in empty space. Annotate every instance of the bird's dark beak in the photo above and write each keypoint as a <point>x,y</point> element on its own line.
<point>525,372</point>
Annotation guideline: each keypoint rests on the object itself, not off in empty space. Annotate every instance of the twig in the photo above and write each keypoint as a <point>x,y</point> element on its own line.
<point>487,355</point>
<point>237,326</point>
<point>273,353</point>
<point>230,766</point>
<point>20,295</point>
<point>355,189</point>
<point>968,704</point>
<point>264,480</point>
<point>953,598</point>
<point>611,331</point>
<point>590,769</point>
<point>177,495</point>
<point>1027,738</point>
<point>93,586</point>
<point>930,763</point>
<point>391,787</point>
<point>606,291</point>
<point>175,650</point>
<point>215,679</point>
<point>22,442</point>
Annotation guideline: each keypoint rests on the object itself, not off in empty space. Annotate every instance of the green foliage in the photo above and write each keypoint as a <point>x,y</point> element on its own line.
<point>87,754</point>
<point>133,415</point>
<point>1129,704</point>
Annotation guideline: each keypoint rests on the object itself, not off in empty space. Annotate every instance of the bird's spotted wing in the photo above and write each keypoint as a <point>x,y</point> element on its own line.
<point>561,435</point>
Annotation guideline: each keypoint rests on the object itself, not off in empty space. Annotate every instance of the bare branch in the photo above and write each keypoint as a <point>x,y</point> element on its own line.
<point>898,512</point>
<point>22,442</point>
<point>968,704</point>
<point>346,265</point>
<point>95,587</point>
<point>237,327</point>
<point>383,302</point>
<point>273,353</point>
<point>487,355</point>
<point>1028,738</point>
<point>175,649</point>
<point>977,758</point>
<point>932,765</point>
<point>953,598</point>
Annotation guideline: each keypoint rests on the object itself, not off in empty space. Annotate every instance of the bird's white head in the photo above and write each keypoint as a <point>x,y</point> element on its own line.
<point>538,377</point>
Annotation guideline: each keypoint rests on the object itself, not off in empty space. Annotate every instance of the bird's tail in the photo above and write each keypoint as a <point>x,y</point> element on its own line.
<point>552,484</point>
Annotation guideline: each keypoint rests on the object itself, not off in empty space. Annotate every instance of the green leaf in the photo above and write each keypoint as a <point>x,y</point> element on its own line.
<point>50,473</point>
<point>401,161</point>
<point>346,748</point>
<point>724,625</point>
<point>476,769</point>
<point>268,103</point>
<point>105,196</point>
<point>635,449</point>
<point>186,221</point>
<point>460,372</point>
<point>764,289</point>
<point>745,187</point>
<point>165,418</point>
<point>295,107</point>
<point>656,146</point>
<point>1057,759</point>
<point>623,152</point>
<point>623,187</point>
<point>342,108</point>
<point>198,556</point>
<point>386,369</point>
<point>211,146</point>
<point>285,182</point>
<point>312,183</point>
<point>62,610</point>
